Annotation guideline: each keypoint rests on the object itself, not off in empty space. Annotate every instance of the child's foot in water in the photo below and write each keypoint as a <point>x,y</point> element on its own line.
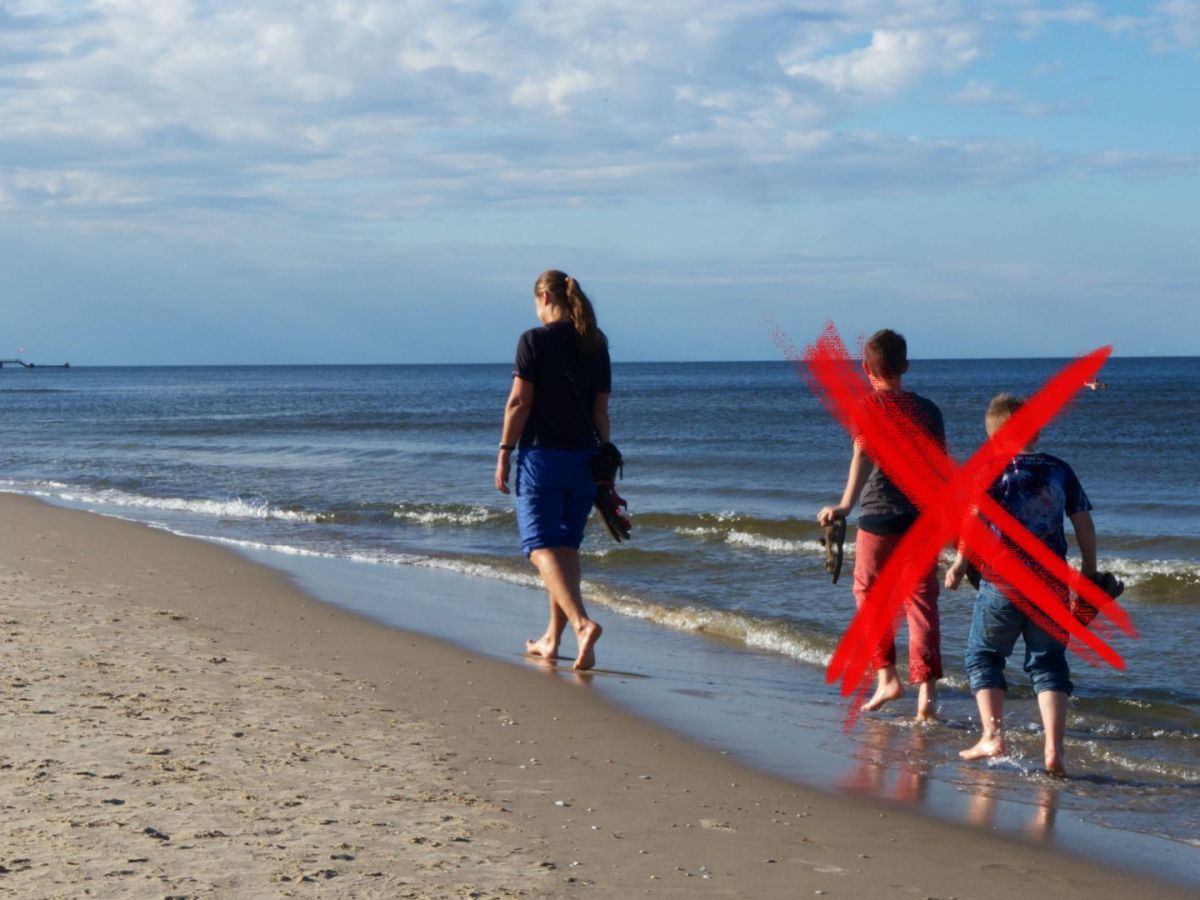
<point>989,747</point>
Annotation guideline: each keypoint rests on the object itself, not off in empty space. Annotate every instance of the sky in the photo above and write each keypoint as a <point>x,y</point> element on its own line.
<point>277,181</point>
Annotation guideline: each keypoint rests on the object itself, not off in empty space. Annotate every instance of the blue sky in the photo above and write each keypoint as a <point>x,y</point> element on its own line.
<point>195,181</point>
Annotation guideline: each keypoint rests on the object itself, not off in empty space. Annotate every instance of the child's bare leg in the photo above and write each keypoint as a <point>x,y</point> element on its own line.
<point>887,689</point>
<point>927,701</point>
<point>559,568</point>
<point>1053,706</point>
<point>991,715</point>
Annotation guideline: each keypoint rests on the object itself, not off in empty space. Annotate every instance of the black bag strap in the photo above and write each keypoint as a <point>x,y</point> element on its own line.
<point>589,421</point>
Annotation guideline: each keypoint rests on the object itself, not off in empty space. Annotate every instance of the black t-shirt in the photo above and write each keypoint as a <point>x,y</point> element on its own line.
<point>560,418</point>
<point>883,509</point>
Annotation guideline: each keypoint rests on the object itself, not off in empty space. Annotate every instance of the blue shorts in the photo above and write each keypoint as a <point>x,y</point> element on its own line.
<point>995,626</point>
<point>555,493</point>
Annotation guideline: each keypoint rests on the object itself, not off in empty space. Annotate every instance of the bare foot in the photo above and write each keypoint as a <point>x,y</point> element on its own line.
<point>545,647</point>
<point>885,693</point>
<point>588,635</point>
<point>1054,766</point>
<point>987,748</point>
<point>927,702</point>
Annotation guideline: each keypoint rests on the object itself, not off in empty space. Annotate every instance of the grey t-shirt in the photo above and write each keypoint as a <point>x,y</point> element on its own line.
<point>883,508</point>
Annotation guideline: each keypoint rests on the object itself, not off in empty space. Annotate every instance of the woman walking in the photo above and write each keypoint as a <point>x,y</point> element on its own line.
<point>555,415</point>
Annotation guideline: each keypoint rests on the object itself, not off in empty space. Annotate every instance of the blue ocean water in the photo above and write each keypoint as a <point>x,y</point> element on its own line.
<point>727,464</point>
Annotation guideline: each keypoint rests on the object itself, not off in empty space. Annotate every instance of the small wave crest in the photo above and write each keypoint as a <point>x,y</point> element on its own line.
<point>1179,773</point>
<point>772,544</point>
<point>787,638</point>
<point>1158,580</point>
<point>232,508</point>
<point>780,636</point>
<point>450,514</point>
<point>782,536</point>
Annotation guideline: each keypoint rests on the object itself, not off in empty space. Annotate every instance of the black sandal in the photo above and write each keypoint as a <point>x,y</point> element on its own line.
<point>973,577</point>
<point>833,539</point>
<point>1086,612</point>
<point>610,504</point>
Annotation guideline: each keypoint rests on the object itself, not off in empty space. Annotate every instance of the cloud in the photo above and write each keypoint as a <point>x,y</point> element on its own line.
<point>172,113</point>
<point>1175,25</point>
<point>1166,27</point>
<point>988,95</point>
<point>892,62</point>
<point>1046,69</point>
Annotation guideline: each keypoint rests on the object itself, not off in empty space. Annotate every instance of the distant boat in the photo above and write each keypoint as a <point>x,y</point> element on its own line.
<point>29,365</point>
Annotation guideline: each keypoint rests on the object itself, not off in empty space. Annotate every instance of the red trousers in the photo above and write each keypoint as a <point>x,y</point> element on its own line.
<point>871,552</point>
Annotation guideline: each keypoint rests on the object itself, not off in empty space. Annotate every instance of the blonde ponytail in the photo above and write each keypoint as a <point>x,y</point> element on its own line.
<point>565,290</point>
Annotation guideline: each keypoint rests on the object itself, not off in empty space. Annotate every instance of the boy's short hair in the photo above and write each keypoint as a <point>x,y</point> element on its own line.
<point>1000,410</point>
<point>885,354</point>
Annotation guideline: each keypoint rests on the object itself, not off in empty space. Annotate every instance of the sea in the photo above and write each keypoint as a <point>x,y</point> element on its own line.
<point>373,486</point>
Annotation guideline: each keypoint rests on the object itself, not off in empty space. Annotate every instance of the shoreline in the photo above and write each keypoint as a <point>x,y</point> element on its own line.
<point>626,785</point>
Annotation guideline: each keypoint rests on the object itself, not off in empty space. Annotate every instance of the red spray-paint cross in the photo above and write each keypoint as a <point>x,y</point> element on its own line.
<point>948,497</point>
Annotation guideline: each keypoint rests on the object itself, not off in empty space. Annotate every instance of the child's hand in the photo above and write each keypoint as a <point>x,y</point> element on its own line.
<point>829,513</point>
<point>954,574</point>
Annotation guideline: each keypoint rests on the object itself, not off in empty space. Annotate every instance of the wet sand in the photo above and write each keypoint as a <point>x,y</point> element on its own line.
<point>181,722</point>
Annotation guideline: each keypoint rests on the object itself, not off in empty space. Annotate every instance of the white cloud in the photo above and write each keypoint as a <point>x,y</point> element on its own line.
<point>1035,16</point>
<point>988,94</point>
<point>554,90</point>
<point>892,62</point>
<point>1046,69</point>
<point>1175,24</point>
<point>350,110</point>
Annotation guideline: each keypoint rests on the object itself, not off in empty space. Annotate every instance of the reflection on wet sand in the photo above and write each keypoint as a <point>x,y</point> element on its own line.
<point>893,763</point>
<point>883,747</point>
<point>982,801</point>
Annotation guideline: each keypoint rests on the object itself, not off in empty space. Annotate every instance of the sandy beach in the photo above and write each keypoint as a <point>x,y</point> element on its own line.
<point>180,722</point>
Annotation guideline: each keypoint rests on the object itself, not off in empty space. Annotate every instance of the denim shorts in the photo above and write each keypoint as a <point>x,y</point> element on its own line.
<point>555,492</point>
<point>995,626</point>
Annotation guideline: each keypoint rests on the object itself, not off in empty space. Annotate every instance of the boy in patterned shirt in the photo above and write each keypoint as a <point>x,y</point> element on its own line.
<point>1039,490</point>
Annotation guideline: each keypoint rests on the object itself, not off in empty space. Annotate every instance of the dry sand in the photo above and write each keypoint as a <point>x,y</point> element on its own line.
<point>178,722</point>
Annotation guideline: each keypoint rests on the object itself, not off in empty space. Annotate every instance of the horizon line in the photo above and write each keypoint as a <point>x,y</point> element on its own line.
<point>203,365</point>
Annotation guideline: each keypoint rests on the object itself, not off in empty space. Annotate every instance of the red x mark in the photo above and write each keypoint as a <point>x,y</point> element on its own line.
<point>948,497</point>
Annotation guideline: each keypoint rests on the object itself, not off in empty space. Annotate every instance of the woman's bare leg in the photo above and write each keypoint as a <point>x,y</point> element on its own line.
<point>559,568</point>
<point>547,645</point>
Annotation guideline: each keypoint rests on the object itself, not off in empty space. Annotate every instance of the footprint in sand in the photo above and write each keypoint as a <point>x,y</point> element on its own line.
<point>821,868</point>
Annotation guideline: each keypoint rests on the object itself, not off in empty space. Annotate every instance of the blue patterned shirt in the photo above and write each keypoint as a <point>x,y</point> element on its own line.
<point>1039,490</point>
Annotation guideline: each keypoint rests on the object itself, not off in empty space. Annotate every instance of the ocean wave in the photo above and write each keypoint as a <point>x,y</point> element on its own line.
<point>787,638</point>
<point>782,536</point>
<point>496,571</point>
<point>772,544</point>
<point>780,636</point>
<point>9,485</point>
<point>1177,772</point>
<point>260,423</point>
<point>725,521</point>
<point>1158,580</point>
<point>451,514</point>
<point>233,508</point>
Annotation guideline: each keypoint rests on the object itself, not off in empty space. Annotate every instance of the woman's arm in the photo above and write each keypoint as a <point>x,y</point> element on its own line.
<point>516,414</point>
<point>600,416</point>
